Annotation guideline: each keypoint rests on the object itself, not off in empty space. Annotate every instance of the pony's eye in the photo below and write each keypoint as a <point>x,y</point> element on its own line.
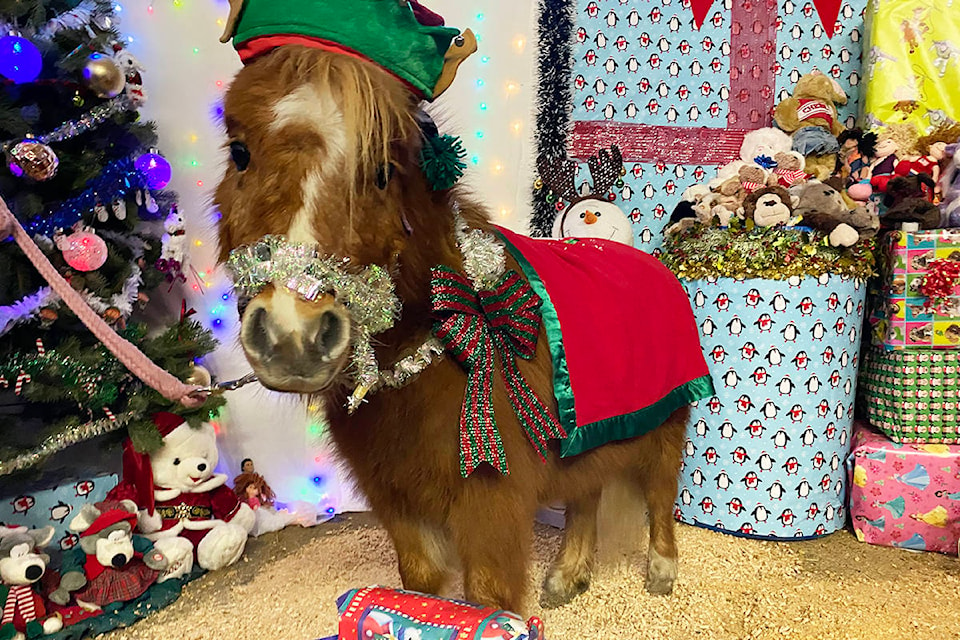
<point>384,173</point>
<point>240,155</point>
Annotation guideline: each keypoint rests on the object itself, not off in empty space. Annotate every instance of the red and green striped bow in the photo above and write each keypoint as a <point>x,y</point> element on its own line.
<point>475,328</point>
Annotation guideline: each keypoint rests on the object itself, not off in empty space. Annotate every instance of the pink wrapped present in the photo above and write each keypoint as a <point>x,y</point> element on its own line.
<point>904,495</point>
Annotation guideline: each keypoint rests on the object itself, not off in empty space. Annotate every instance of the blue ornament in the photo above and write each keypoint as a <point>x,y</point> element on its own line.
<point>20,60</point>
<point>156,169</point>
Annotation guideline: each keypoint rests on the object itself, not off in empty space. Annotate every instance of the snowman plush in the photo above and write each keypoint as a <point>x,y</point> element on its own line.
<point>184,507</point>
<point>591,212</point>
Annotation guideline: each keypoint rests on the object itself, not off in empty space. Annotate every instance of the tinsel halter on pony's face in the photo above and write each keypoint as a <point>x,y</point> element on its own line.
<point>322,134</point>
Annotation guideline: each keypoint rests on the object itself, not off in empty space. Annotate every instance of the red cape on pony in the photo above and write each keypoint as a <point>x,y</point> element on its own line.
<point>625,346</point>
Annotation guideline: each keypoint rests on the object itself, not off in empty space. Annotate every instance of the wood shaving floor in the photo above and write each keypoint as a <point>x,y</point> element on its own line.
<point>729,588</point>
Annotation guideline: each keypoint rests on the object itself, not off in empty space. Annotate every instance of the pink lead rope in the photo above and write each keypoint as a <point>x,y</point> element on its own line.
<point>132,358</point>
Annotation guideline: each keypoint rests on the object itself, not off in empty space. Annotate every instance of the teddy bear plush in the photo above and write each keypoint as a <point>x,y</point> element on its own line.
<point>813,104</point>
<point>181,500</point>
<point>111,564</point>
<point>789,169</point>
<point>768,206</point>
<point>759,148</point>
<point>21,568</point>
<point>906,201</point>
<point>824,209</point>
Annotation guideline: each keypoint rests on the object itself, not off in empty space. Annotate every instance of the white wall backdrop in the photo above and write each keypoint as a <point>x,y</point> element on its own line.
<point>186,73</point>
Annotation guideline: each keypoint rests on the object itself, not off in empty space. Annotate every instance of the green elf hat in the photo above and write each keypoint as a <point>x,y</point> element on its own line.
<point>401,36</point>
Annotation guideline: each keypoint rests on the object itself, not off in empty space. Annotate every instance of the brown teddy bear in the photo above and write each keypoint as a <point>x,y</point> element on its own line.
<point>768,206</point>
<point>813,104</point>
<point>789,169</point>
<point>823,208</point>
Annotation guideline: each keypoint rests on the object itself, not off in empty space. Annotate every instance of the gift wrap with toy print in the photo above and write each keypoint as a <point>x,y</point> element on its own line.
<point>912,60</point>
<point>56,507</point>
<point>376,613</point>
<point>912,395</point>
<point>900,318</point>
<point>764,457</point>
<point>904,495</point>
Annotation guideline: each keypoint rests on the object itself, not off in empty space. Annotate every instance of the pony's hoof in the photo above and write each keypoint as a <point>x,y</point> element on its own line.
<point>661,574</point>
<point>558,592</point>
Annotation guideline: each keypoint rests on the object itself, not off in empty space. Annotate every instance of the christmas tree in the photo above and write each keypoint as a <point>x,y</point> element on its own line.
<point>83,178</point>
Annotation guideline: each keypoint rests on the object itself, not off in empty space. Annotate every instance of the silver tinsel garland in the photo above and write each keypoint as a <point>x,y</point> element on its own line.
<point>368,293</point>
<point>60,441</point>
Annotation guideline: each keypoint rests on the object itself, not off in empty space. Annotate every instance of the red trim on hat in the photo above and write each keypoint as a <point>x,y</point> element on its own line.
<point>256,47</point>
<point>108,519</point>
<point>167,422</point>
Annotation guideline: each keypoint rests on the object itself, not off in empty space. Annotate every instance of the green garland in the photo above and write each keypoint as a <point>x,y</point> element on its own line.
<point>771,253</point>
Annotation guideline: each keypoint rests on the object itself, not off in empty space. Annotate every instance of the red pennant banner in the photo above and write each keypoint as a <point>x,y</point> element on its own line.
<point>700,9</point>
<point>828,10</point>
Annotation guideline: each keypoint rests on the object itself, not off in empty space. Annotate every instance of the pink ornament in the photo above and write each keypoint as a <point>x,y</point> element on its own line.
<point>83,250</point>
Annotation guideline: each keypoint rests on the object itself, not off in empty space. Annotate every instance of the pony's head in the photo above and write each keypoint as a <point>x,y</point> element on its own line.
<point>323,153</point>
<point>320,203</point>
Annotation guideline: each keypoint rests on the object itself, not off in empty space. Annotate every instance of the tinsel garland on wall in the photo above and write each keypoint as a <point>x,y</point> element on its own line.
<point>554,97</point>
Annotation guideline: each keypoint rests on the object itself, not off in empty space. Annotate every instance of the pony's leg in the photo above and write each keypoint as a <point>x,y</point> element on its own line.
<point>658,480</point>
<point>570,574</point>
<point>422,555</point>
<point>493,538</point>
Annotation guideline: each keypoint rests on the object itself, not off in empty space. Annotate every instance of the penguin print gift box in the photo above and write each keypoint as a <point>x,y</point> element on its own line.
<point>904,495</point>
<point>764,457</point>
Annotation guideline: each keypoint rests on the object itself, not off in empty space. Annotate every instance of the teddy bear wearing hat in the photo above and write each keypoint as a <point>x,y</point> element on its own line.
<point>181,501</point>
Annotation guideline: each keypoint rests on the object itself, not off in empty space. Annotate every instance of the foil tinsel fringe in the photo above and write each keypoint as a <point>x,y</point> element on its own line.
<point>60,441</point>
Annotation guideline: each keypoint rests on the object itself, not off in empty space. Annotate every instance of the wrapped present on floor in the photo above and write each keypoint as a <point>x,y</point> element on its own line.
<point>903,316</point>
<point>904,495</point>
<point>912,395</point>
<point>378,612</point>
<point>912,57</point>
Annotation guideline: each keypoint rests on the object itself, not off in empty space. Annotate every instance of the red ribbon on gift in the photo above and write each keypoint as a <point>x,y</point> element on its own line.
<point>940,282</point>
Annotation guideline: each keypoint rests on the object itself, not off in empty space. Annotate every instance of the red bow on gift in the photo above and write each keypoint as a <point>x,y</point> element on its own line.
<point>476,328</point>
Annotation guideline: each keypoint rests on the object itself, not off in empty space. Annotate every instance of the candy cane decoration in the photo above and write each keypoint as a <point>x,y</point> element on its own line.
<point>21,379</point>
<point>40,348</point>
<point>110,415</point>
<point>4,383</point>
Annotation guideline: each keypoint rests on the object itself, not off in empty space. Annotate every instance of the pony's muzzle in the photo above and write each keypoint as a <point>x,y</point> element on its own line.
<point>294,344</point>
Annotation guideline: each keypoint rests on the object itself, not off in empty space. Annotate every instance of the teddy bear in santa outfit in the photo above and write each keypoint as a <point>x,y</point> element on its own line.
<point>183,504</point>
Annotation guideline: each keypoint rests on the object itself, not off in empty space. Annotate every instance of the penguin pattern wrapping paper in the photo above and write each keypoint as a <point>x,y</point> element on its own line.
<point>677,100</point>
<point>904,495</point>
<point>764,457</point>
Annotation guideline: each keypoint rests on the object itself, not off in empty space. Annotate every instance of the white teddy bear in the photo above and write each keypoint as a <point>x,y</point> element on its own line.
<point>761,143</point>
<point>185,508</point>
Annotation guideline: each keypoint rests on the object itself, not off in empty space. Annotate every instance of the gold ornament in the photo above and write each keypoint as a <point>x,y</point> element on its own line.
<point>103,76</point>
<point>199,376</point>
<point>33,159</point>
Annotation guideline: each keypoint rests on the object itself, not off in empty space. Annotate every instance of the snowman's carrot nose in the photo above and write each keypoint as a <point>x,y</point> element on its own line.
<point>590,217</point>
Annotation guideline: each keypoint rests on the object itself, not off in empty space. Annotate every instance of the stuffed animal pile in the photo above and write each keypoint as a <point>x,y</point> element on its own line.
<point>813,172</point>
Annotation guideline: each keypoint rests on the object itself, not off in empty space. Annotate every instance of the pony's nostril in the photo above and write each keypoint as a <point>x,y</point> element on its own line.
<point>257,336</point>
<point>329,334</point>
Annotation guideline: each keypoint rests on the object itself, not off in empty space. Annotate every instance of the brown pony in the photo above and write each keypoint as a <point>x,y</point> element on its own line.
<point>310,134</point>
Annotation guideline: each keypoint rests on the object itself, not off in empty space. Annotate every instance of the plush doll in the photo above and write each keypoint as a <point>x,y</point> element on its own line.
<point>857,149</point>
<point>111,564</point>
<point>591,213</point>
<point>906,201</point>
<point>790,169</point>
<point>21,567</point>
<point>181,499</point>
<point>895,142</point>
<point>813,104</point>
<point>932,150</point>
<point>824,209</point>
<point>819,148</point>
<point>253,489</point>
<point>768,207</point>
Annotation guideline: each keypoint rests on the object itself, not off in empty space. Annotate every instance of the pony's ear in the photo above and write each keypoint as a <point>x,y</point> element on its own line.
<point>462,47</point>
<point>236,6</point>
